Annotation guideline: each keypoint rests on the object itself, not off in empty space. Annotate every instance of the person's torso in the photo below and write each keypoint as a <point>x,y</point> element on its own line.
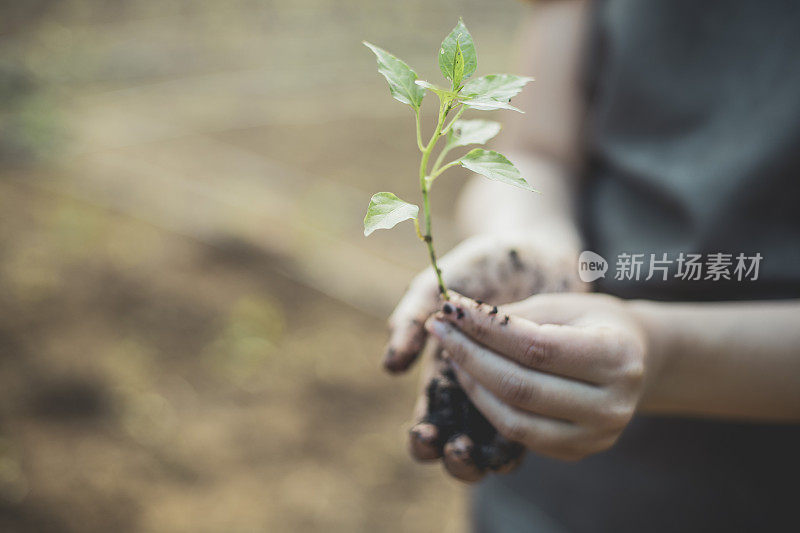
<point>693,145</point>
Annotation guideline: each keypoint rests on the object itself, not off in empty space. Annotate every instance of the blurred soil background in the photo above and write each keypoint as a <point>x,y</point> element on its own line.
<point>190,319</point>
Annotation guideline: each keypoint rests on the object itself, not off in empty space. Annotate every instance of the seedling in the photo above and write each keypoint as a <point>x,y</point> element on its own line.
<point>457,61</point>
<point>449,408</point>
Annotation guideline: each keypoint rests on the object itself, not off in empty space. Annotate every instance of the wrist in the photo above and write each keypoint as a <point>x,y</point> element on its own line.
<point>561,232</point>
<point>658,338</point>
<point>557,238</point>
<point>489,207</point>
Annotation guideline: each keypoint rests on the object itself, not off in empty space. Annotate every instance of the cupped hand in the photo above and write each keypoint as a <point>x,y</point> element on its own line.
<point>494,269</point>
<point>490,269</point>
<point>561,374</point>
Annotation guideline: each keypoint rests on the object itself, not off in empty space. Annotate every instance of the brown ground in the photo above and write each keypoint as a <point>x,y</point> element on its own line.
<point>190,321</point>
<point>184,387</point>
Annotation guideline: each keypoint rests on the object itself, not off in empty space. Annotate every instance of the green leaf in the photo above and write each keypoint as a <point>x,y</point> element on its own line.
<point>488,104</point>
<point>458,66</point>
<point>386,210</point>
<point>400,76</point>
<point>459,38</point>
<point>494,166</point>
<point>466,132</point>
<point>502,87</point>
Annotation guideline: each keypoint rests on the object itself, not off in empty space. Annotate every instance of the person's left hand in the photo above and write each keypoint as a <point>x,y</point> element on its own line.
<point>561,374</point>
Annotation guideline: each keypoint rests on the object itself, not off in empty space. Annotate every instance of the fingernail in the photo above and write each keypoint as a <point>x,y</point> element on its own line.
<point>459,461</point>
<point>393,366</point>
<point>392,363</point>
<point>437,329</point>
<point>423,442</point>
<point>461,447</point>
<point>424,433</point>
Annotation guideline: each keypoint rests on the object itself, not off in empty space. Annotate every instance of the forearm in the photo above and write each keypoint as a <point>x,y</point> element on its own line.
<point>489,207</point>
<point>737,360</point>
<point>546,147</point>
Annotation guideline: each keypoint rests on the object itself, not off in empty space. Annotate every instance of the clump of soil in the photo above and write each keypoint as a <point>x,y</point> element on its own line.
<point>452,412</point>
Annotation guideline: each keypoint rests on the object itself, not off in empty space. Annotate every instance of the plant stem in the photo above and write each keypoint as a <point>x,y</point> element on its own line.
<point>424,186</point>
<point>439,159</point>
<point>419,132</point>
<point>436,170</point>
<point>446,130</point>
<point>419,233</point>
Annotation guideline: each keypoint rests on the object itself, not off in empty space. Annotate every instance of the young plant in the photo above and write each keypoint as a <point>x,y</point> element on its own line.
<point>457,61</point>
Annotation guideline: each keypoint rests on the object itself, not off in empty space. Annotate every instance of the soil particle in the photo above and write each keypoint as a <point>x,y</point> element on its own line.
<point>493,311</point>
<point>459,313</point>
<point>516,263</point>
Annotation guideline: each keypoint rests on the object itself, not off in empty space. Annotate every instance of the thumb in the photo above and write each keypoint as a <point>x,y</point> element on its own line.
<point>407,323</point>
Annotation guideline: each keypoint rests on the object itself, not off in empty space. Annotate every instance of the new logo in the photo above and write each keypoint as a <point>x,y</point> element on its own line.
<point>591,266</point>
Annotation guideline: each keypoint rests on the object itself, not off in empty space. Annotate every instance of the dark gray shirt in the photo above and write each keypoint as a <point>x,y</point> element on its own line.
<point>693,145</point>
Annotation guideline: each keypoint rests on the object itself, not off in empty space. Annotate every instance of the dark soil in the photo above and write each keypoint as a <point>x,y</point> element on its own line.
<point>452,412</point>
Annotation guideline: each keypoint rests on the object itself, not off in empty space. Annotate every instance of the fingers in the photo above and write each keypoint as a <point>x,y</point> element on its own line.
<point>461,456</point>
<point>448,423</point>
<point>428,441</point>
<point>543,435</point>
<point>503,455</point>
<point>531,390</point>
<point>406,324</point>
<point>459,459</point>
<point>568,351</point>
<point>424,440</point>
